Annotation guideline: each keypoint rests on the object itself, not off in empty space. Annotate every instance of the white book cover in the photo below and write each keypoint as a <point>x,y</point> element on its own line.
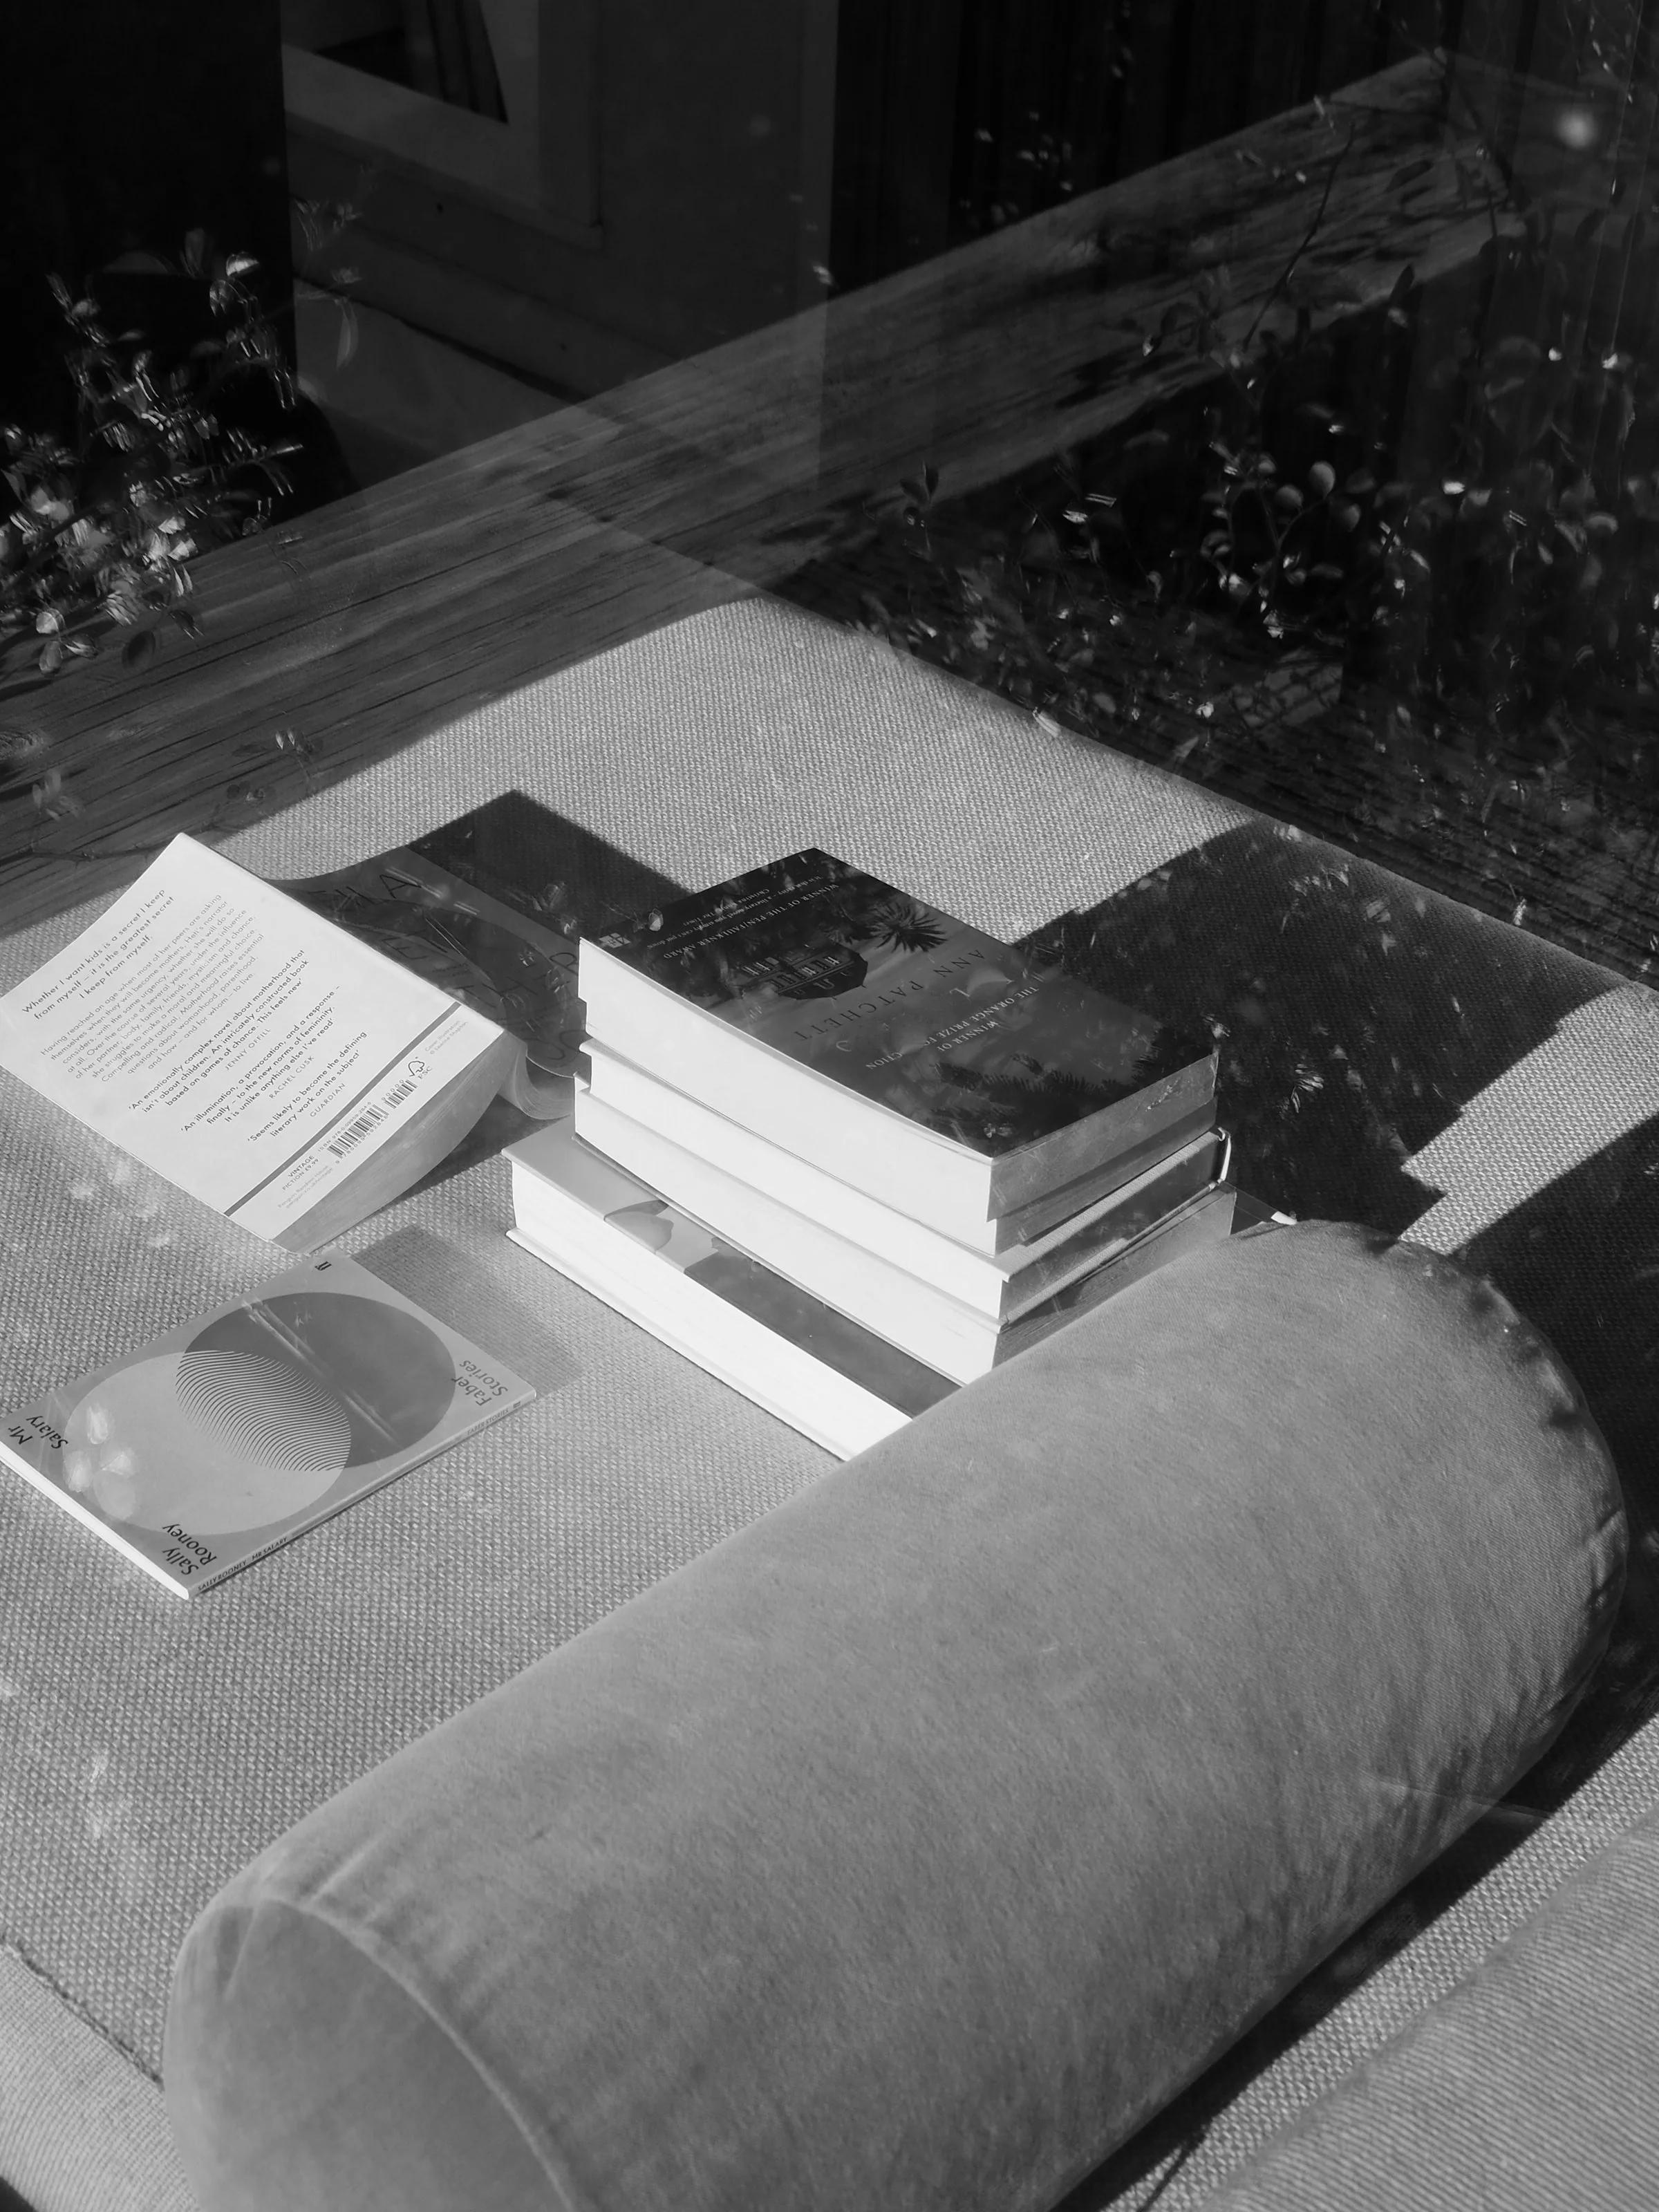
<point>723,1174</point>
<point>813,1365</point>
<point>239,1045</point>
<point>818,1369</point>
<point>252,1423</point>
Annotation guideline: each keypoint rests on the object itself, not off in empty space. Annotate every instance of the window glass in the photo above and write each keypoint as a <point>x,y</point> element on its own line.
<point>1266,390</point>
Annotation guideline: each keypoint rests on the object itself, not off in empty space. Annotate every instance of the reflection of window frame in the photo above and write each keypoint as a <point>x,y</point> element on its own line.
<point>429,157</point>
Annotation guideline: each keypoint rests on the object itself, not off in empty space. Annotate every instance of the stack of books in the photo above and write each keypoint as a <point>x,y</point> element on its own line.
<point>848,1153</point>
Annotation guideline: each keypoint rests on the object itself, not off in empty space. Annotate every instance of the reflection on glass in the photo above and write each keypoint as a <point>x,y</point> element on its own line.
<point>1266,391</point>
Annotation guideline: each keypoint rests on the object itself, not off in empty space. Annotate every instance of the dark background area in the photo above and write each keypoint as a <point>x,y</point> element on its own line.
<point>123,129</point>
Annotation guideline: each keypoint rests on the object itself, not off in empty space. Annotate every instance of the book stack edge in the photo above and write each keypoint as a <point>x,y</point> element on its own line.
<point>847,1153</point>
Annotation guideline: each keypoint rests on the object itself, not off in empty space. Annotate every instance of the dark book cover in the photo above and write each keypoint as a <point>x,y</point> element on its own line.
<point>903,1004</point>
<point>489,907</point>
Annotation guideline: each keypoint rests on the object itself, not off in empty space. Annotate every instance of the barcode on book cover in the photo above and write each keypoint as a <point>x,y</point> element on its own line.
<point>355,1132</point>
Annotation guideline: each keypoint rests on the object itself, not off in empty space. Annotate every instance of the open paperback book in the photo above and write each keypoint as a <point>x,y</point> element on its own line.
<point>296,1056</point>
<point>258,1058</point>
<point>488,908</point>
<point>254,1422</point>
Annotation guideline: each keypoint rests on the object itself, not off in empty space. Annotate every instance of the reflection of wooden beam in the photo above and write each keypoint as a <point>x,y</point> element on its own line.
<point>378,129</point>
<point>502,320</point>
<point>368,623</point>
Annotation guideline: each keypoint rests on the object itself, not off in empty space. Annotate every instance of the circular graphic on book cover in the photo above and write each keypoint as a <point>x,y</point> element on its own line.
<point>260,1414</point>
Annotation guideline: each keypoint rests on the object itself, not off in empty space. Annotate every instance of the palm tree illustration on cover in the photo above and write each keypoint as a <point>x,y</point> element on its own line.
<point>815,950</point>
<point>905,1004</point>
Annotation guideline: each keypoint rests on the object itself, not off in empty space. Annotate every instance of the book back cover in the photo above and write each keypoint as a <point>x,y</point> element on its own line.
<point>252,1423</point>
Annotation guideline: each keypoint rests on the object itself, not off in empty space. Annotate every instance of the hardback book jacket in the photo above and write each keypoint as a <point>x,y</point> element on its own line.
<point>1029,1076</point>
<point>236,1432</point>
<point>815,1368</point>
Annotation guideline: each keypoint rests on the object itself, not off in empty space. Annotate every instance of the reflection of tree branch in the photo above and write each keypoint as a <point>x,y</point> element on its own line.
<point>1486,139</point>
<point>1308,237</point>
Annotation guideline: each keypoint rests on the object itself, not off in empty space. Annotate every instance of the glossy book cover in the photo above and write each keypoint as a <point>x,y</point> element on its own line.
<point>903,1004</point>
<point>252,1423</point>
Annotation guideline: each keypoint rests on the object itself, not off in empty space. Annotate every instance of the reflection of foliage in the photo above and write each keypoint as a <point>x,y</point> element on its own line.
<point>323,225</point>
<point>814,949</point>
<point>1507,566</point>
<point>1019,1100</point>
<point>1429,527</point>
<point>903,924</point>
<point>100,530</point>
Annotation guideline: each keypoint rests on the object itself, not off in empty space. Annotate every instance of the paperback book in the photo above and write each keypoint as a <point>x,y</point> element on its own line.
<point>233,1433</point>
<point>298,1056</point>
<point>488,908</point>
<point>900,1049</point>
<point>950,1307</point>
<point>258,1058</point>
<point>625,1114</point>
<point>819,1368</point>
<point>513,969</point>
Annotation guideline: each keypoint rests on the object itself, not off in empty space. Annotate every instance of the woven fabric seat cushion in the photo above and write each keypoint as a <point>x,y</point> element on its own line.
<point>1529,2087</point>
<point>915,1844</point>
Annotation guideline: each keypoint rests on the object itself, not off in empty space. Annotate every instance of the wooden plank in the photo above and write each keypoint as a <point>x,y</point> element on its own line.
<point>373,622</point>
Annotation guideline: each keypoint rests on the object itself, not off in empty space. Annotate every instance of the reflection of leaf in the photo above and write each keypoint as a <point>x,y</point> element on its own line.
<point>347,345</point>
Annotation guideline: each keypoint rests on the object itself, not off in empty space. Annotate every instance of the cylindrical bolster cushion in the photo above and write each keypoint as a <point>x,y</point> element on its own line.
<point>911,1847</point>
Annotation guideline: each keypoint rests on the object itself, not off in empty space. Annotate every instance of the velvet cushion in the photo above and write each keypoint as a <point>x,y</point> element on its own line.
<point>913,1846</point>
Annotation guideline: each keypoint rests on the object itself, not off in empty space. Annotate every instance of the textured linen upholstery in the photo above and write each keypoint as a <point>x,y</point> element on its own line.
<point>915,1844</point>
<point>1534,2085</point>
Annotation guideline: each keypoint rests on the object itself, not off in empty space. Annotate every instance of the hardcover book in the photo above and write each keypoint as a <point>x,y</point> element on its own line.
<point>252,1422</point>
<point>902,1050</point>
